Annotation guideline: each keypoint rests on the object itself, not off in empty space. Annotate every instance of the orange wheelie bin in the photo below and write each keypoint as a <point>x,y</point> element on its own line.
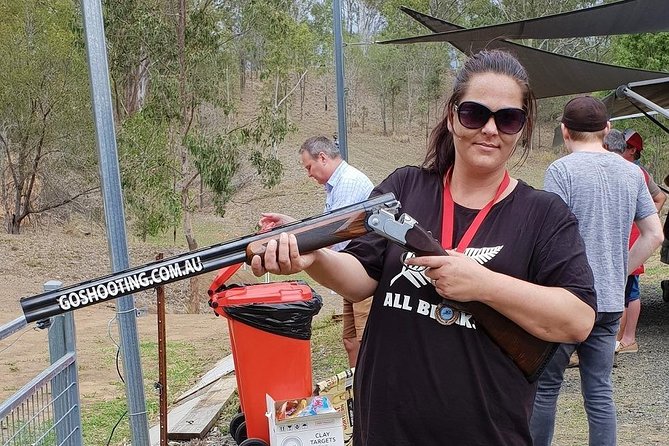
<point>270,333</point>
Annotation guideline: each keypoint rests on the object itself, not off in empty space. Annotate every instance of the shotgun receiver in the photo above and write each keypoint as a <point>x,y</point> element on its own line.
<point>528,352</point>
<point>312,233</point>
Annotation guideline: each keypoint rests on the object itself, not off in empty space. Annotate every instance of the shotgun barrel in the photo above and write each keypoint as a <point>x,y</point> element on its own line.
<point>312,233</point>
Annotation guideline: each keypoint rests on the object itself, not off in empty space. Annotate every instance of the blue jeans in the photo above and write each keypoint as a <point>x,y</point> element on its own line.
<point>595,356</point>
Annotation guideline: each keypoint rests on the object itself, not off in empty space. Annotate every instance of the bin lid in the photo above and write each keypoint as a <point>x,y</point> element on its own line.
<point>223,275</point>
<point>265,293</point>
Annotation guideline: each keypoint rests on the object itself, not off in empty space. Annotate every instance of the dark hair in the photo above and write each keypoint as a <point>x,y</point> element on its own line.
<point>441,151</point>
<point>317,144</point>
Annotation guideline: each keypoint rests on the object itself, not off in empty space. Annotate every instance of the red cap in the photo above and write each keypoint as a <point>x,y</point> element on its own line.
<point>633,139</point>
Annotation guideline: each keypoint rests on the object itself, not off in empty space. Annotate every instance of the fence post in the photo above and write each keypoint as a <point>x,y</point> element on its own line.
<point>64,386</point>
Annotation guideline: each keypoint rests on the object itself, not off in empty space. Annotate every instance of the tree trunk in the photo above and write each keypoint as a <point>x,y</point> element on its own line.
<point>383,116</point>
<point>364,116</point>
<point>242,75</point>
<point>193,304</point>
<point>392,113</point>
<point>303,91</point>
<point>13,226</point>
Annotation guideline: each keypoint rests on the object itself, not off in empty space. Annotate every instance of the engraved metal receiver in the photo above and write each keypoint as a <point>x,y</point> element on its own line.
<point>406,232</point>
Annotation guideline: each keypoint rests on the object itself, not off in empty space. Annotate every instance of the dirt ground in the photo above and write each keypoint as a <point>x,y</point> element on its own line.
<point>31,259</point>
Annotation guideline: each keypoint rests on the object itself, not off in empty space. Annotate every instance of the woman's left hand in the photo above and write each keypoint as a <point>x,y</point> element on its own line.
<point>455,276</point>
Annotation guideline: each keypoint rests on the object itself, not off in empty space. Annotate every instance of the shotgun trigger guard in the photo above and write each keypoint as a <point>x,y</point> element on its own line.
<point>384,224</point>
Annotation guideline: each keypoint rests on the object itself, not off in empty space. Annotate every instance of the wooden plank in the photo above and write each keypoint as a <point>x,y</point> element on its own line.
<point>195,417</point>
<point>173,417</point>
<point>197,422</point>
<point>222,368</point>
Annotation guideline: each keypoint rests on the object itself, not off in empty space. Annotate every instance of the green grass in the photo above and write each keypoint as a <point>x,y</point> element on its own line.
<point>328,355</point>
<point>184,365</point>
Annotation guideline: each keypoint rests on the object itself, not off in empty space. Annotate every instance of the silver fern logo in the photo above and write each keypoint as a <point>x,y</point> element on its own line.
<point>416,274</point>
<point>483,255</point>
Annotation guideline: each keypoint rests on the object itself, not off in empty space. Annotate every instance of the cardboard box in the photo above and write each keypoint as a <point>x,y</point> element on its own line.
<point>324,429</point>
<point>339,388</point>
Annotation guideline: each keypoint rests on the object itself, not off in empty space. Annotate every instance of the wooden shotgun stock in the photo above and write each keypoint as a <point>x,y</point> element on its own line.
<point>528,352</point>
<point>312,233</point>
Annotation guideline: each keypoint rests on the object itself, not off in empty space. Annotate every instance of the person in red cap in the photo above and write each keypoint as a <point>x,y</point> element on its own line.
<point>606,194</point>
<point>629,145</point>
<point>634,145</point>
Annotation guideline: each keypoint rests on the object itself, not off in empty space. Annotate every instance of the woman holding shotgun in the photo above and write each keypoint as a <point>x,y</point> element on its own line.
<point>426,374</point>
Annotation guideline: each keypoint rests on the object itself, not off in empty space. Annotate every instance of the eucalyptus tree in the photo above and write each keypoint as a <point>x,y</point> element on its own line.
<point>166,62</point>
<point>413,75</point>
<point>386,87</point>
<point>46,157</point>
<point>141,52</point>
<point>278,44</point>
<point>321,25</point>
<point>174,70</point>
<point>649,51</point>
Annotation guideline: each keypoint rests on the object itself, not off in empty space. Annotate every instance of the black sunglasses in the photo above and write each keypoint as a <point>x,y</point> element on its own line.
<point>473,115</point>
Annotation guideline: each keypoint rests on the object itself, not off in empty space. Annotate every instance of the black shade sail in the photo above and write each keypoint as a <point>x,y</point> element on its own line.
<point>550,74</point>
<point>624,17</point>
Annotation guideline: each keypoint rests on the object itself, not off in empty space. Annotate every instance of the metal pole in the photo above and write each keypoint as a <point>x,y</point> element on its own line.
<point>12,327</point>
<point>162,361</point>
<point>58,349</point>
<point>62,340</point>
<point>339,71</point>
<point>114,214</point>
<point>74,400</point>
<point>624,91</point>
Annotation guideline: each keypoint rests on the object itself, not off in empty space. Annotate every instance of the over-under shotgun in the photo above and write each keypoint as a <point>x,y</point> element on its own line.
<point>312,233</point>
<point>529,353</point>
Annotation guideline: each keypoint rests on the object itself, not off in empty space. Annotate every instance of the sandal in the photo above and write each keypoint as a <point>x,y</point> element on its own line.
<point>626,348</point>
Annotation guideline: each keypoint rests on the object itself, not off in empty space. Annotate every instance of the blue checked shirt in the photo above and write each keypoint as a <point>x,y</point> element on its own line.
<point>346,186</point>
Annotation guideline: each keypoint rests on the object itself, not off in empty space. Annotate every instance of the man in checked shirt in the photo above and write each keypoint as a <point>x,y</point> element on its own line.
<point>344,185</point>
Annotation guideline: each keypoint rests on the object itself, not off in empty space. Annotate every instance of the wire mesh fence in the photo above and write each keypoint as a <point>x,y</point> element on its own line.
<point>29,421</point>
<point>43,411</point>
<point>46,410</point>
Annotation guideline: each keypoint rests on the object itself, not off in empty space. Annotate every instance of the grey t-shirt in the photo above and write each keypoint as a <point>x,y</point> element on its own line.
<point>606,193</point>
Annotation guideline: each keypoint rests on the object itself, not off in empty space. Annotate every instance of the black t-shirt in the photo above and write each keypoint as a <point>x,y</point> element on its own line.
<point>418,382</point>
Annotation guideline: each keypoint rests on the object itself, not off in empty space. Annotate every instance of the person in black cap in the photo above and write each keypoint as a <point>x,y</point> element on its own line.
<point>607,194</point>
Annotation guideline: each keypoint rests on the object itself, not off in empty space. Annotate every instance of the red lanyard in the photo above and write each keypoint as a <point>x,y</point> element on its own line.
<point>449,215</point>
